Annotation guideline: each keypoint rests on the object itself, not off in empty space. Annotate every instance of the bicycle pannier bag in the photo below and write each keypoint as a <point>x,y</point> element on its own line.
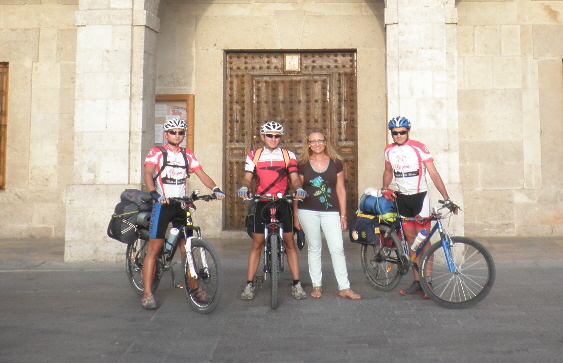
<point>364,229</point>
<point>376,205</point>
<point>142,199</point>
<point>122,226</point>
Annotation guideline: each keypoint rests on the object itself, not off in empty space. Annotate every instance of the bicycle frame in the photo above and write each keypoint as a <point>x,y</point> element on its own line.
<point>187,231</point>
<point>445,239</point>
<point>273,227</point>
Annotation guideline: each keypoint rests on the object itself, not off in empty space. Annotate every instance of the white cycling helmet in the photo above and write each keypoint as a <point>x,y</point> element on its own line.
<point>271,126</point>
<point>174,123</point>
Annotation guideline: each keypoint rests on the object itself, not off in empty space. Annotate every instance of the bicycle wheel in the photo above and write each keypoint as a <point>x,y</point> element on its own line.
<point>471,281</point>
<point>205,295</point>
<point>381,263</point>
<point>134,258</point>
<point>274,271</point>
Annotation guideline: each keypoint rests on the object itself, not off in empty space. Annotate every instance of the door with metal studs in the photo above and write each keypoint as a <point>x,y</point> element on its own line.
<point>305,92</point>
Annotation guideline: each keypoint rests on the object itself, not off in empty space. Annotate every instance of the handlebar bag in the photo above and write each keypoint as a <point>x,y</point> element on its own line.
<point>364,229</point>
<point>123,223</point>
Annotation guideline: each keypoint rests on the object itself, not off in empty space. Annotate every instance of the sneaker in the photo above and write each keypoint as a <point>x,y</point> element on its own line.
<point>425,296</point>
<point>248,293</point>
<point>149,302</point>
<point>415,288</point>
<point>297,292</point>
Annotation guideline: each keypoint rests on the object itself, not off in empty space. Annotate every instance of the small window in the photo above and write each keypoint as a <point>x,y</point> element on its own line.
<point>3,121</point>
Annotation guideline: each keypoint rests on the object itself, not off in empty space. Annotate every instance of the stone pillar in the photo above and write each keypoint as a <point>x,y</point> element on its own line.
<point>422,81</point>
<point>114,113</point>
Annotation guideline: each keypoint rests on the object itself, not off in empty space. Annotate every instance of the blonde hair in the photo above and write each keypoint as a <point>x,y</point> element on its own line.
<point>307,152</point>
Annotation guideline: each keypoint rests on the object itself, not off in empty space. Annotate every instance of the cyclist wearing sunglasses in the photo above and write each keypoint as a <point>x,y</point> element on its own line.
<point>408,161</point>
<point>271,172</point>
<point>166,176</point>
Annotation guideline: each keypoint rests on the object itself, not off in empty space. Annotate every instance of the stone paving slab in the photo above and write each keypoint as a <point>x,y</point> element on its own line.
<point>57,312</point>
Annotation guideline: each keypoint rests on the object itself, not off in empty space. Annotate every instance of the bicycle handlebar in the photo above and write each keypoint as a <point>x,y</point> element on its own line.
<point>257,197</point>
<point>452,207</point>
<point>192,198</point>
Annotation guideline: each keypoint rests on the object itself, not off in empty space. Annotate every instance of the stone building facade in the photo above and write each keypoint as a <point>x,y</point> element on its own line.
<point>480,80</point>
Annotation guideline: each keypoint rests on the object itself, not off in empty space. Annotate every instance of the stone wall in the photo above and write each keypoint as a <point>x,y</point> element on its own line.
<point>510,113</point>
<point>38,40</point>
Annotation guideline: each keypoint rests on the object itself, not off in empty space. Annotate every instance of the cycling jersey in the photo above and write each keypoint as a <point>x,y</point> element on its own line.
<point>271,172</point>
<point>172,181</point>
<point>407,161</point>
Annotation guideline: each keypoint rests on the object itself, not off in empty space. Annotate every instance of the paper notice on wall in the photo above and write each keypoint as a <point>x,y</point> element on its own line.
<point>179,112</point>
<point>160,110</point>
<point>158,133</point>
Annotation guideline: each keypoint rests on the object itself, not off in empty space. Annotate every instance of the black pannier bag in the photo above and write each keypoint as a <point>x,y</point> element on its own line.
<point>123,223</point>
<point>364,229</point>
<point>142,199</point>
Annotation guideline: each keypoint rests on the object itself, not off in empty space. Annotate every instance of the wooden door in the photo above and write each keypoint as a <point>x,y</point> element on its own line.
<point>306,91</point>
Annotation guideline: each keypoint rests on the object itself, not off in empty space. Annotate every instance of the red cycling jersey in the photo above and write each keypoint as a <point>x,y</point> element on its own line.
<point>271,172</point>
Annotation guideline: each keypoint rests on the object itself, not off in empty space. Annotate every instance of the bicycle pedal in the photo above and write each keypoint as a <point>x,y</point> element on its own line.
<point>259,279</point>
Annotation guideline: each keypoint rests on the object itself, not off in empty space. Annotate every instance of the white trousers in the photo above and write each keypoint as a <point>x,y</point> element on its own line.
<point>312,222</point>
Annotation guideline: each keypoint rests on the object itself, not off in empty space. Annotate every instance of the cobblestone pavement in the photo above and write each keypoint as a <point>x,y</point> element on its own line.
<point>57,312</point>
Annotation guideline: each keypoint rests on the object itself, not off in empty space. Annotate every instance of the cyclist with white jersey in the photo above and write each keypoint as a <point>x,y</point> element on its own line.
<point>408,162</point>
<point>165,176</point>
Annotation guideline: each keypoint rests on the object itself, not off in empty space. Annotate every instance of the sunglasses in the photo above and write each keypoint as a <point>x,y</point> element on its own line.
<point>395,133</point>
<point>271,136</point>
<point>181,133</point>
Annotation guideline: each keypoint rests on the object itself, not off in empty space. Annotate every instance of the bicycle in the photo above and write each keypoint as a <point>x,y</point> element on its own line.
<point>201,263</point>
<point>274,251</point>
<point>455,273</point>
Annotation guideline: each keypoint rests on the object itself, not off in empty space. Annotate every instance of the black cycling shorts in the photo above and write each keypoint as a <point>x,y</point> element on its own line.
<point>413,205</point>
<point>162,215</point>
<point>284,214</point>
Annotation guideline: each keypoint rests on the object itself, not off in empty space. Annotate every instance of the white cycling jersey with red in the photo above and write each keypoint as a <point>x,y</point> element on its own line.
<point>172,181</point>
<point>271,172</point>
<point>407,161</point>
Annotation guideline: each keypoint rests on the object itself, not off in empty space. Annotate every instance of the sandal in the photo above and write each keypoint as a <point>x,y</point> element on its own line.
<point>348,293</point>
<point>148,301</point>
<point>317,292</point>
<point>199,294</point>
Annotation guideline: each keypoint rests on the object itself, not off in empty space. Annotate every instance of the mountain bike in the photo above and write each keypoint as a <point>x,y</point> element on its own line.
<point>201,266</point>
<point>455,273</point>
<point>274,250</point>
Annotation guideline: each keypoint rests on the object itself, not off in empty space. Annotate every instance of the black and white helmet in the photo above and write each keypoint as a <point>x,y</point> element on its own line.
<point>174,123</point>
<point>271,126</point>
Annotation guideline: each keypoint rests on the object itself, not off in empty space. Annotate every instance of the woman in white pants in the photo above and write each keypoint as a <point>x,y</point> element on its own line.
<point>322,174</point>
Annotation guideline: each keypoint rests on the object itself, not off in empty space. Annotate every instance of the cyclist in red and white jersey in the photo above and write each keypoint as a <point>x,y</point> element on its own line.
<point>273,169</point>
<point>409,161</point>
<point>164,181</point>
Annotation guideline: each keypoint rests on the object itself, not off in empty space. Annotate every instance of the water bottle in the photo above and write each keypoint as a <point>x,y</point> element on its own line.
<point>420,238</point>
<point>171,240</point>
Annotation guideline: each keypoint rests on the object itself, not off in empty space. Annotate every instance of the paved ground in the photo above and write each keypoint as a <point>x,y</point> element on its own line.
<point>56,312</point>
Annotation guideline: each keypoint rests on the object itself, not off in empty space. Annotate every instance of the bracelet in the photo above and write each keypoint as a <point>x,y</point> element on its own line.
<point>343,217</point>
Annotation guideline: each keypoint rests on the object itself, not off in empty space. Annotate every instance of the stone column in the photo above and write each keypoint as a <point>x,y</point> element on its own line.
<point>422,81</point>
<point>115,68</point>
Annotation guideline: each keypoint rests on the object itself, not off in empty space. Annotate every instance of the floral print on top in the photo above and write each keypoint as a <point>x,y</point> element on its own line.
<point>320,186</point>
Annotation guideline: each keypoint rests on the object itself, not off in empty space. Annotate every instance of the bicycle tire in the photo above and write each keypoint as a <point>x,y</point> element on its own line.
<point>469,284</point>
<point>274,271</point>
<point>134,257</point>
<point>210,277</point>
<point>382,265</point>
